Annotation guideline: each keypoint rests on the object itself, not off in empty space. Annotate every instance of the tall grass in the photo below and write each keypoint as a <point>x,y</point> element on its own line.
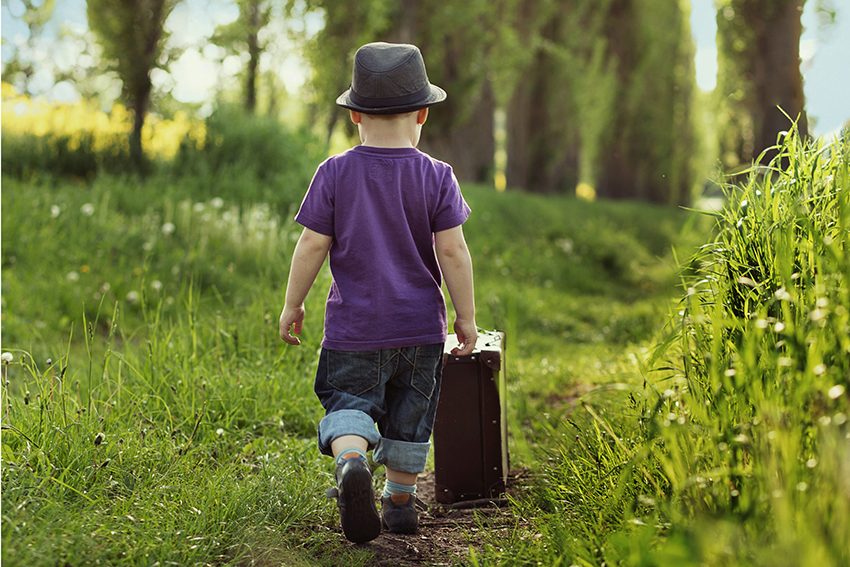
<point>735,450</point>
<point>751,425</point>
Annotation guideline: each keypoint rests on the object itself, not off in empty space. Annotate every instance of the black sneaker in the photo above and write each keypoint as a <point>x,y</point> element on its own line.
<point>356,500</point>
<point>399,518</point>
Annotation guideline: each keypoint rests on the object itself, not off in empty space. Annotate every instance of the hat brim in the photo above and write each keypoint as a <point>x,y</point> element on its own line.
<point>435,95</point>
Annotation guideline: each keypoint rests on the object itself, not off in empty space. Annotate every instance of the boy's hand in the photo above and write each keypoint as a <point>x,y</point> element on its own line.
<point>288,317</point>
<point>467,336</point>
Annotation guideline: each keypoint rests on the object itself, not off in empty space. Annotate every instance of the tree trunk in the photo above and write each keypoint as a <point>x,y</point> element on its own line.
<point>776,73</point>
<point>468,145</point>
<point>253,56</point>
<point>140,105</point>
<point>618,171</point>
<point>758,71</point>
<point>541,139</point>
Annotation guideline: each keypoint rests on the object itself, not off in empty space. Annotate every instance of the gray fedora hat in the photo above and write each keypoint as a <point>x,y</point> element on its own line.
<point>389,78</point>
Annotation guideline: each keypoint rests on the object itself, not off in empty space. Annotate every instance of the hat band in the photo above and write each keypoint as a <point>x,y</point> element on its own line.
<point>419,96</point>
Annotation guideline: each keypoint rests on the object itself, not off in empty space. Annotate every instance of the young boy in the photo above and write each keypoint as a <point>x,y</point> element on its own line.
<point>391,218</point>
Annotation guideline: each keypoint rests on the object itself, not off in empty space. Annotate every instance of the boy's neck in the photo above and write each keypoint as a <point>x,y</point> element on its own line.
<point>399,133</point>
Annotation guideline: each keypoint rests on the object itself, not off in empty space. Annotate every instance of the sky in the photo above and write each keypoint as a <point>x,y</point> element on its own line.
<point>824,50</point>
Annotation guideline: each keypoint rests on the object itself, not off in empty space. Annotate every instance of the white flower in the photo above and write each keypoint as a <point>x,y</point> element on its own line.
<point>54,211</point>
<point>782,294</point>
<point>72,276</point>
<point>168,228</point>
<point>7,357</point>
<point>133,297</point>
<point>87,209</point>
<point>217,202</point>
<point>156,285</point>
<point>219,431</point>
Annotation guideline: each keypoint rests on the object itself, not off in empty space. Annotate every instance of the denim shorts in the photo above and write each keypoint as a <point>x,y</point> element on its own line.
<point>396,388</point>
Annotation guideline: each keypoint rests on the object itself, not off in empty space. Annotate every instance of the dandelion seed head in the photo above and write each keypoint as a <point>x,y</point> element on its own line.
<point>819,370</point>
<point>761,323</point>
<point>779,327</point>
<point>72,276</point>
<point>812,463</point>
<point>87,209</point>
<point>168,228</point>
<point>55,211</point>
<point>217,202</point>
<point>817,315</point>
<point>802,486</point>
<point>7,357</point>
<point>219,431</point>
<point>782,294</point>
<point>133,297</point>
<point>836,391</point>
<point>156,285</point>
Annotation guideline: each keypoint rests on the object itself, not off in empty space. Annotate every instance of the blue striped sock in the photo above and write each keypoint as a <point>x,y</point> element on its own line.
<point>340,459</point>
<point>397,488</point>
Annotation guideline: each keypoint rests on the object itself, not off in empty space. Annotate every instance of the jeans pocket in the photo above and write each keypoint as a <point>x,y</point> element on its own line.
<point>428,359</point>
<point>354,372</point>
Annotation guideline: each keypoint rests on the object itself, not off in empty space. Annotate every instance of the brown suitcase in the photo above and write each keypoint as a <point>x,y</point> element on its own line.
<point>470,430</point>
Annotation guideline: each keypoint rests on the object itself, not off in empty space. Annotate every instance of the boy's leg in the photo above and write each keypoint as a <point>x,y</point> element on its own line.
<point>400,485</point>
<point>341,446</point>
<point>350,389</point>
<point>411,398</point>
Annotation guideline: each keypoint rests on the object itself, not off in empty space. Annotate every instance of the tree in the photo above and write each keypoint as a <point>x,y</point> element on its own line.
<point>541,137</point>
<point>455,39</point>
<point>758,74</point>
<point>649,155</point>
<point>560,111</point>
<point>132,35</point>
<point>243,35</point>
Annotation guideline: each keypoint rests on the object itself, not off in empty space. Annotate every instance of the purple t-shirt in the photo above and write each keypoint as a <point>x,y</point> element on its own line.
<point>382,207</point>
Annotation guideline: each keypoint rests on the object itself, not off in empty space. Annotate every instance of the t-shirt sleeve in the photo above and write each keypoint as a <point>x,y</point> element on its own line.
<point>317,208</point>
<point>451,209</point>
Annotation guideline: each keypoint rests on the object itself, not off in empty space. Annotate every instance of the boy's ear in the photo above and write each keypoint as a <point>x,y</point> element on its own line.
<point>355,116</point>
<point>422,115</point>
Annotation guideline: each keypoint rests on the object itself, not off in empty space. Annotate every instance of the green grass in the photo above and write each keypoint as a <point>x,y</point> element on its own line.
<point>734,450</point>
<point>152,414</point>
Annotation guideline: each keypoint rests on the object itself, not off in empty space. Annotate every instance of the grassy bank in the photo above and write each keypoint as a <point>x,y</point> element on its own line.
<point>152,414</point>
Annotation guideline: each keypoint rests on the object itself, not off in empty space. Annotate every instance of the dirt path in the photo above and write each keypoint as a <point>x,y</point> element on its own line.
<point>445,534</point>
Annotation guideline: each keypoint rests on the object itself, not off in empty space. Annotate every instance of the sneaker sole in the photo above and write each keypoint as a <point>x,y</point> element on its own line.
<point>358,514</point>
<point>400,530</point>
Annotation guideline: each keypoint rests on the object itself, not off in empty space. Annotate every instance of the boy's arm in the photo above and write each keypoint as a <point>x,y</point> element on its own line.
<point>456,265</point>
<point>307,260</point>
